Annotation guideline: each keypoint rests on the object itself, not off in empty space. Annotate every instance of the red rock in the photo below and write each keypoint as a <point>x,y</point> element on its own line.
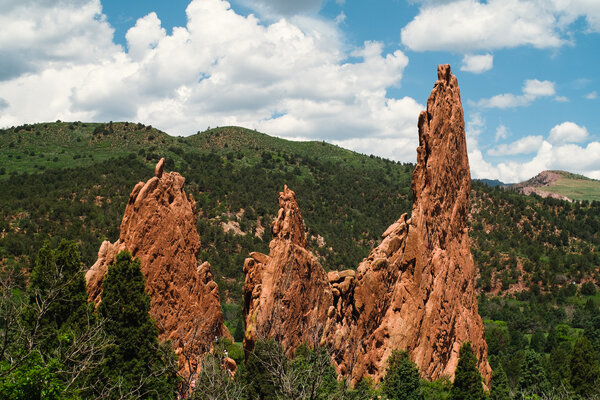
<point>415,291</point>
<point>159,227</point>
<point>286,294</point>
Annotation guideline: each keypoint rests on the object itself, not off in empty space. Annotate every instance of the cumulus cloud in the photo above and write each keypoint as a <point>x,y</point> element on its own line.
<point>40,35</point>
<point>288,78</point>
<point>592,95</point>
<point>477,63</point>
<point>532,89</point>
<point>471,25</point>
<point>525,145</point>
<point>568,132</point>
<point>549,154</point>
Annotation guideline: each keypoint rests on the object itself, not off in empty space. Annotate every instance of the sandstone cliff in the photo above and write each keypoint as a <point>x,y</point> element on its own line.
<point>415,291</point>
<point>286,293</point>
<point>159,227</point>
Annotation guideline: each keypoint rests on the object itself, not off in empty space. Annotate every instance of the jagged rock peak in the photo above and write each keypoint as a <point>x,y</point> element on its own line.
<point>289,224</point>
<point>286,293</point>
<point>159,227</point>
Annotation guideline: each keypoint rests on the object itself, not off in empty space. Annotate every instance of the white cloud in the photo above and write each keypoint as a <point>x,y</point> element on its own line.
<point>40,35</point>
<point>525,145</point>
<point>477,63</point>
<point>501,133</point>
<point>471,25</point>
<point>562,99</point>
<point>568,132</point>
<point>532,89</point>
<point>286,78</point>
<point>548,155</point>
<point>592,95</point>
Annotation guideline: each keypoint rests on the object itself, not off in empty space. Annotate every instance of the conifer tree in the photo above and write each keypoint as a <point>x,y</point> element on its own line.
<point>402,380</point>
<point>585,371</point>
<point>500,389</point>
<point>57,294</point>
<point>136,364</point>
<point>533,377</point>
<point>467,379</point>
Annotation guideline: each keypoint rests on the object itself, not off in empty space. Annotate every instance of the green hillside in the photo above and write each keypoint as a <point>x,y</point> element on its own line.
<point>537,260</point>
<point>561,184</point>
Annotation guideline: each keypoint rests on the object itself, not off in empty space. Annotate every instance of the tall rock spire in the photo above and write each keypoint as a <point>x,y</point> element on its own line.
<point>159,227</point>
<point>415,291</point>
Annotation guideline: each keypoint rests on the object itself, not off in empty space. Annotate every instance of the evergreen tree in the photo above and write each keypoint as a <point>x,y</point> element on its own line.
<point>585,371</point>
<point>402,380</point>
<point>533,377</point>
<point>500,389</point>
<point>557,368</point>
<point>136,364</point>
<point>57,294</point>
<point>467,379</point>
<point>538,340</point>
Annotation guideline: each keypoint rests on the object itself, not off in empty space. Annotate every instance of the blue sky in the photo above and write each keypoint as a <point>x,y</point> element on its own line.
<point>353,73</point>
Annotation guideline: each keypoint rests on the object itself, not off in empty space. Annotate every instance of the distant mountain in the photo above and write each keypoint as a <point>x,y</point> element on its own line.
<point>561,185</point>
<point>491,182</point>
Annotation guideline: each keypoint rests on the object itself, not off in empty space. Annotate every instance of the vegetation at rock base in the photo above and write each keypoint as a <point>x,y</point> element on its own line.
<point>467,383</point>
<point>136,363</point>
<point>402,380</point>
<point>538,259</point>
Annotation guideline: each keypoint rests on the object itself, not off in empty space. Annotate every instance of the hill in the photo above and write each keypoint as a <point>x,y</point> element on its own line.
<point>536,258</point>
<point>561,185</point>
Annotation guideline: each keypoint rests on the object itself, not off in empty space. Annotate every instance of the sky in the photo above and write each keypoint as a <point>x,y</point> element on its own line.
<point>354,73</point>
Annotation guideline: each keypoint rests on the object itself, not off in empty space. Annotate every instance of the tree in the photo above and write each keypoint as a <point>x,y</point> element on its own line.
<point>137,364</point>
<point>57,294</point>
<point>533,377</point>
<point>52,342</point>
<point>585,371</point>
<point>537,341</point>
<point>467,379</point>
<point>402,380</point>
<point>500,389</point>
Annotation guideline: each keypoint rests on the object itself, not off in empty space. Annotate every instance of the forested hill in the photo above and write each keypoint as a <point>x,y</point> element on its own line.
<point>72,180</point>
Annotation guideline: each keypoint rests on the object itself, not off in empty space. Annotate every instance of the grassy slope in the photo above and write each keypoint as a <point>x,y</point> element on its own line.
<point>575,187</point>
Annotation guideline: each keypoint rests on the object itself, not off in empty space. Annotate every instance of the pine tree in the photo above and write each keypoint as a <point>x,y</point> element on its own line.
<point>467,379</point>
<point>402,380</point>
<point>136,363</point>
<point>585,371</point>
<point>57,293</point>
<point>500,389</point>
<point>533,377</point>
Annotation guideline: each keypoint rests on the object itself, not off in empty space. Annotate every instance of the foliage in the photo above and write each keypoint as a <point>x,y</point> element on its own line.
<point>585,371</point>
<point>467,379</point>
<point>402,380</point>
<point>136,363</point>
<point>533,377</point>
<point>500,388</point>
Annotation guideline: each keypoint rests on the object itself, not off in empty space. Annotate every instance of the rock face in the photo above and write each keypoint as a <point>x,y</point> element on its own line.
<point>415,291</point>
<point>286,293</point>
<point>159,227</point>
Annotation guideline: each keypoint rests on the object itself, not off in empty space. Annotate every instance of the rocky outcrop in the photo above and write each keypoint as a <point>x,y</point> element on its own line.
<point>415,291</point>
<point>541,185</point>
<point>286,293</point>
<point>159,227</point>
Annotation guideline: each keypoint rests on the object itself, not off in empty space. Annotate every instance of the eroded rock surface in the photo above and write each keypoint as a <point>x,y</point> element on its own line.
<point>286,293</point>
<point>159,227</point>
<point>415,291</point>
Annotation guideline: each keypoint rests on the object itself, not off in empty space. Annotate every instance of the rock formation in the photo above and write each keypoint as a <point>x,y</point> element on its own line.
<point>159,227</point>
<point>415,291</point>
<point>286,293</point>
